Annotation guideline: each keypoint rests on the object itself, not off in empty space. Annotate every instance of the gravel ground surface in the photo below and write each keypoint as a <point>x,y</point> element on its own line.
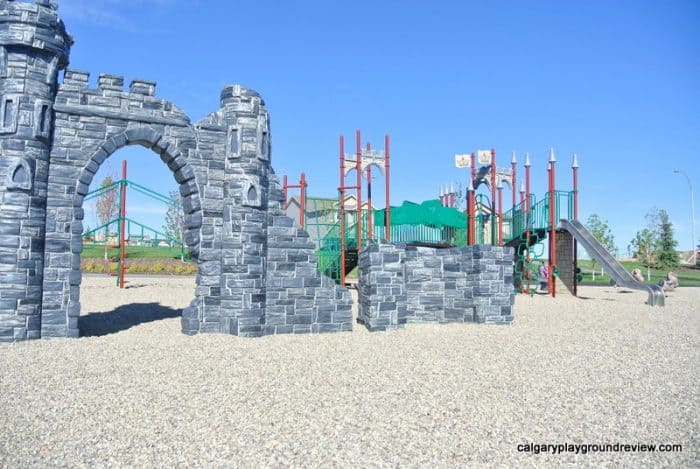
<point>136,392</point>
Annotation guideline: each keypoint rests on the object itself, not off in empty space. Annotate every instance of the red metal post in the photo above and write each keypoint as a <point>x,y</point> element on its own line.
<point>574,167</point>
<point>370,224</point>
<point>528,221</point>
<point>552,225</point>
<point>514,180</point>
<point>500,215</point>
<point>302,196</point>
<point>122,228</point>
<point>358,168</point>
<point>284,191</point>
<point>341,191</point>
<point>387,210</point>
<point>493,196</point>
<point>471,215</point>
<point>473,166</point>
<point>302,185</point>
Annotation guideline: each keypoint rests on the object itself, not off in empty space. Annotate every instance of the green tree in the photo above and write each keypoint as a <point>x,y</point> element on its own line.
<point>107,205</point>
<point>644,245</point>
<point>175,220</point>
<point>666,255</point>
<point>600,229</point>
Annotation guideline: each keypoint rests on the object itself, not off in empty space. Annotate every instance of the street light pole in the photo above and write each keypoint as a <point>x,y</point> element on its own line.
<point>692,214</point>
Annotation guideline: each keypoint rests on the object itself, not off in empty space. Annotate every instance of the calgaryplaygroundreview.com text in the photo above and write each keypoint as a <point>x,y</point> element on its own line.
<point>585,448</point>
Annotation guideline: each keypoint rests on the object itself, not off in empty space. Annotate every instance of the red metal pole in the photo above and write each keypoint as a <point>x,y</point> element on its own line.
<point>358,168</point>
<point>473,166</point>
<point>493,196</point>
<point>302,184</point>
<point>122,226</point>
<point>471,214</point>
<point>528,221</point>
<point>387,210</point>
<point>552,226</point>
<point>341,191</point>
<point>500,215</point>
<point>370,225</point>
<point>284,191</point>
<point>514,181</point>
<point>574,167</point>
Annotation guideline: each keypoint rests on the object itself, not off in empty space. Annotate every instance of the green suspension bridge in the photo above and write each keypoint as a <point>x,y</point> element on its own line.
<point>121,228</point>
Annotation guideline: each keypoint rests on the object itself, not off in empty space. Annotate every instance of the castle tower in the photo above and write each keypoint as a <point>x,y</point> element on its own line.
<point>244,242</point>
<point>34,46</point>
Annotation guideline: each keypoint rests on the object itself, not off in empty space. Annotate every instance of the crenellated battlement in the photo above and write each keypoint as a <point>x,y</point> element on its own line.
<point>110,82</point>
<point>110,100</point>
<point>144,87</point>
<point>78,80</point>
<point>74,80</point>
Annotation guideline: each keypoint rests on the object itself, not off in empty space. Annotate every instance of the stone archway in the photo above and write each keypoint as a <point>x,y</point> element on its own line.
<point>256,271</point>
<point>182,171</point>
<point>63,292</point>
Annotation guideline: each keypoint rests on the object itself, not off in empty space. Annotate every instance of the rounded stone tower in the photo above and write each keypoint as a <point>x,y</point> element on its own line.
<point>244,244</point>
<point>34,46</point>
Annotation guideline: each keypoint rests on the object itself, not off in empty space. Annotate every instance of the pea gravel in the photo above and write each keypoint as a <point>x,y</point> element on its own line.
<point>136,392</point>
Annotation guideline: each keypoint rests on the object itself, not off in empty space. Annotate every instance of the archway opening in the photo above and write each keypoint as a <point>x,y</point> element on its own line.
<point>140,208</point>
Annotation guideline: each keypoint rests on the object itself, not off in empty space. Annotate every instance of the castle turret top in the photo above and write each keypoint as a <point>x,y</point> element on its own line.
<point>45,3</point>
<point>236,93</point>
<point>35,25</point>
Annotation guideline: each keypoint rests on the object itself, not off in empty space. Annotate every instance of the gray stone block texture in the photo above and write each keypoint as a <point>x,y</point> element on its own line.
<point>401,284</point>
<point>257,272</point>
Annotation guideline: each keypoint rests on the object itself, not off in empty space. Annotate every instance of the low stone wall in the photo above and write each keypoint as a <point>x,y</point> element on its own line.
<point>401,284</point>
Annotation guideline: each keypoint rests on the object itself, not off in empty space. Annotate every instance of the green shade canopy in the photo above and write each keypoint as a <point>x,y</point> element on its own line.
<point>428,213</point>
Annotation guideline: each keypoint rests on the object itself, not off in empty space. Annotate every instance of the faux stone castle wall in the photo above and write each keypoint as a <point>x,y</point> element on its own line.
<point>298,298</point>
<point>54,136</point>
<point>565,263</point>
<point>401,284</point>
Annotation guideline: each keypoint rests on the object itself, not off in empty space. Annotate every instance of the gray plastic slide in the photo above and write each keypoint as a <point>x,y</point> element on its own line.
<point>609,263</point>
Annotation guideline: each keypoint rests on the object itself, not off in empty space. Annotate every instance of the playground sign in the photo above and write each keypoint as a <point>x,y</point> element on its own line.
<point>483,156</point>
<point>463,161</point>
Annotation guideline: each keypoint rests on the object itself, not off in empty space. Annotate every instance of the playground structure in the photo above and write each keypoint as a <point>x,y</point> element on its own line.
<point>124,225</point>
<point>338,229</point>
<point>545,232</point>
<point>257,273</point>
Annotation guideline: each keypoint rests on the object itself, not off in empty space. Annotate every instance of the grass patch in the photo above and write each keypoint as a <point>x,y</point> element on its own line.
<point>97,251</point>
<point>139,260</point>
<point>687,276</point>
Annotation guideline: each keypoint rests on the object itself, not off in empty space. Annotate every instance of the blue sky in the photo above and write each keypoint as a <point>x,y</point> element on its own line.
<point>618,83</point>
